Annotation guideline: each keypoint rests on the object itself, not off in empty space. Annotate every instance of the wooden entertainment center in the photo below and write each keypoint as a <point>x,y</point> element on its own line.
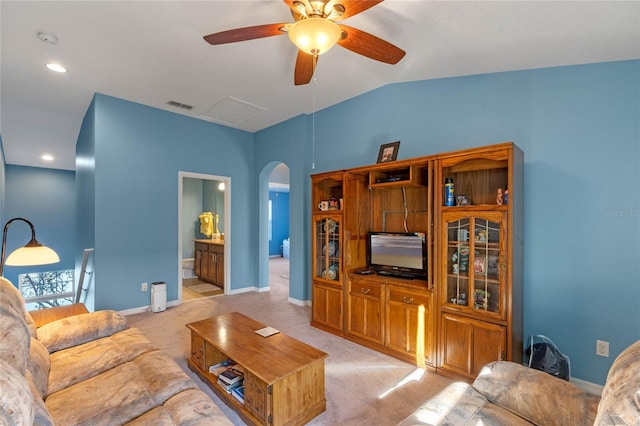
<point>468,310</point>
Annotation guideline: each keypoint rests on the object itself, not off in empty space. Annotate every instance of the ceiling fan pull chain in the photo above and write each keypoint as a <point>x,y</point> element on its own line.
<point>313,125</point>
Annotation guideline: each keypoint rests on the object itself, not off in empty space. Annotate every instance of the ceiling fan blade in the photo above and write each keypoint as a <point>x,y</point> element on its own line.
<point>246,33</point>
<point>368,45</point>
<point>353,7</point>
<point>305,67</point>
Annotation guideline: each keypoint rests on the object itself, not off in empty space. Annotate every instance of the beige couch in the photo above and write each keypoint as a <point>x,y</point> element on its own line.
<point>90,369</point>
<point>507,393</point>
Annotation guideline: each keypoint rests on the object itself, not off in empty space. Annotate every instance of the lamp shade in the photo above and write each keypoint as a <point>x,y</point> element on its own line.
<point>32,254</point>
<point>315,35</point>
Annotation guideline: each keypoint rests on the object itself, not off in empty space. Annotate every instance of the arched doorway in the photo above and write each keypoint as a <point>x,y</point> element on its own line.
<point>274,228</point>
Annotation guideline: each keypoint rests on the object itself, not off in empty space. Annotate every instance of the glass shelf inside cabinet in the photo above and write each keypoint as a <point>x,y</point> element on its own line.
<point>458,250</point>
<point>327,249</point>
<point>486,265</point>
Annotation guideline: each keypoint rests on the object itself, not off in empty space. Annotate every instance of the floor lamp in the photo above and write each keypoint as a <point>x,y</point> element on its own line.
<point>33,253</point>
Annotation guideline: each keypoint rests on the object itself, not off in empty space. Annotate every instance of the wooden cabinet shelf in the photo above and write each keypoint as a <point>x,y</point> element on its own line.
<point>398,176</point>
<point>469,309</point>
<point>480,261</point>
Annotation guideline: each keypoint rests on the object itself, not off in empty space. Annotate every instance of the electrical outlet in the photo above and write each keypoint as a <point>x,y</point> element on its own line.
<point>143,287</point>
<point>602,348</point>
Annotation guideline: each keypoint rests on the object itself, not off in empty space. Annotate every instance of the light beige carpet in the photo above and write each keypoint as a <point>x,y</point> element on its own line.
<point>362,386</point>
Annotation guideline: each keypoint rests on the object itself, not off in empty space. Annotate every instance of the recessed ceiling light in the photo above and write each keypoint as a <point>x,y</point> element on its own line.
<point>47,157</point>
<point>56,67</point>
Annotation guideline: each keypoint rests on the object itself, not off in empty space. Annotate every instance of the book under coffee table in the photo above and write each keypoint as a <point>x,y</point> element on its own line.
<point>283,377</point>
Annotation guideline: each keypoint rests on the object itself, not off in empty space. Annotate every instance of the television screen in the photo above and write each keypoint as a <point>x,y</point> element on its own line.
<point>404,253</point>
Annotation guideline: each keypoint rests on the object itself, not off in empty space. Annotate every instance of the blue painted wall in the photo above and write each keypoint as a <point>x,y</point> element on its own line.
<point>139,151</point>
<point>85,206</point>
<point>191,209</point>
<point>290,143</point>
<point>213,201</point>
<point>280,221</point>
<point>578,127</point>
<point>46,198</point>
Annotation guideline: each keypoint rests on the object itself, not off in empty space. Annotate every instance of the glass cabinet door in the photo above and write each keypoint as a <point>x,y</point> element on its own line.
<point>475,262</point>
<point>327,248</point>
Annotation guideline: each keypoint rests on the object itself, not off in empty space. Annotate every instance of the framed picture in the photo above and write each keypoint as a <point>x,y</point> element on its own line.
<point>480,265</point>
<point>388,152</point>
<point>462,200</point>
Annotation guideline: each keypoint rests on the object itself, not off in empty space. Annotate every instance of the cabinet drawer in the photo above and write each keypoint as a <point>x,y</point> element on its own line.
<point>408,297</point>
<point>365,288</point>
<point>216,248</point>
<point>202,246</point>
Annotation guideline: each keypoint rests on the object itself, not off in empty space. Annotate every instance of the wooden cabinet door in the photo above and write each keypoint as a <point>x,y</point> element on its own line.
<point>365,311</point>
<point>409,323</point>
<point>197,351</point>
<point>219,277</point>
<point>474,263</point>
<point>467,345</point>
<point>197,263</point>
<point>327,306</point>
<point>208,266</point>
<point>256,397</point>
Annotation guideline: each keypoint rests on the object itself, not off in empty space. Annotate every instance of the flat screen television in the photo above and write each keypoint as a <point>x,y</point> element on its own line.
<point>402,254</point>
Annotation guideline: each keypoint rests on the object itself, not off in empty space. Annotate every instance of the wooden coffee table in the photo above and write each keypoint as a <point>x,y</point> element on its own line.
<point>283,377</point>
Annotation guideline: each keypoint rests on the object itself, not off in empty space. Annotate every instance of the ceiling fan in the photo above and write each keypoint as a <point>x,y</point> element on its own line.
<point>315,31</point>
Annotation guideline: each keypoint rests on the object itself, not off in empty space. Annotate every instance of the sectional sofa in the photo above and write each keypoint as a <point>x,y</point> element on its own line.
<point>90,369</point>
<point>506,393</point>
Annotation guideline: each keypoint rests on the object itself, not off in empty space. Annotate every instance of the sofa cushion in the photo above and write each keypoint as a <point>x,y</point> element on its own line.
<point>15,338</point>
<point>120,394</point>
<point>10,296</point>
<point>460,404</point>
<point>16,406</point>
<point>42,417</point>
<point>31,324</point>
<point>78,363</point>
<point>39,365</point>
<point>162,376</point>
<point>534,395</point>
<point>620,403</point>
<point>79,329</point>
<point>116,396</point>
<point>191,407</point>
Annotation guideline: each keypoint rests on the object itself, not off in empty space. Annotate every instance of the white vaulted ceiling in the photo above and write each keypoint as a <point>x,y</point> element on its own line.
<point>152,52</point>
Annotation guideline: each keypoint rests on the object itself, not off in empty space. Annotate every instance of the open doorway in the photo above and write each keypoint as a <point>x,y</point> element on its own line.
<point>204,229</point>
<point>278,229</point>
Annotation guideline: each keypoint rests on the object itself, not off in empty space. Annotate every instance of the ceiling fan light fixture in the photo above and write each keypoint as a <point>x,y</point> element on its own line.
<point>315,35</point>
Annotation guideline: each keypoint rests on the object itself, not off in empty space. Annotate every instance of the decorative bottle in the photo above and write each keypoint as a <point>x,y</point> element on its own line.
<point>449,199</point>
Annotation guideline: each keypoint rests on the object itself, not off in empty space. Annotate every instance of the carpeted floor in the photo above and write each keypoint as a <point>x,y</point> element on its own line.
<point>363,387</point>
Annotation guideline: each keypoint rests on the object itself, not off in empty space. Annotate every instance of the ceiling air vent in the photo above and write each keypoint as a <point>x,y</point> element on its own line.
<point>180,105</point>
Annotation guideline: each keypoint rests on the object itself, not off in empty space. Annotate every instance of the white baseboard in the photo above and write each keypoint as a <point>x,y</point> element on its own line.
<point>134,311</point>
<point>242,290</point>
<point>146,308</point>
<point>297,302</point>
<point>592,388</point>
